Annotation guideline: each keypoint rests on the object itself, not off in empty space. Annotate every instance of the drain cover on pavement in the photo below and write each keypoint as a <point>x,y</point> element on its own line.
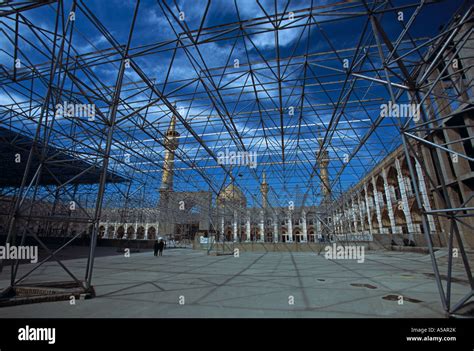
<point>368,286</point>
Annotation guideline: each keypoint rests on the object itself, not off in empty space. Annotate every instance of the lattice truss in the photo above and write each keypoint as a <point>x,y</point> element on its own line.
<point>278,82</point>
<point>259,77</point>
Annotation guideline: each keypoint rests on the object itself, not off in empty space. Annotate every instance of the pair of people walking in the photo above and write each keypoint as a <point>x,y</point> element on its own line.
<point>158,247</point>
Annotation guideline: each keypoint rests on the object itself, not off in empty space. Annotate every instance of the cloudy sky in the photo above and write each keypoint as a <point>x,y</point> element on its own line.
<point>232,85</point>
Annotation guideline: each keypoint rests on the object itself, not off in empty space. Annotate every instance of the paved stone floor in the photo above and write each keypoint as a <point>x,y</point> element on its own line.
<point>252,285</point>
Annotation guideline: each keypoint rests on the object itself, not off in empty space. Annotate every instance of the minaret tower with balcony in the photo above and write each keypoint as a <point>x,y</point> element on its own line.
<point>166,189</point>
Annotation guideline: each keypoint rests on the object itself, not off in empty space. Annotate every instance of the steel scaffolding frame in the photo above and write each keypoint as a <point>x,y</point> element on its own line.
<point>442,59</point>
<point>277,100</point>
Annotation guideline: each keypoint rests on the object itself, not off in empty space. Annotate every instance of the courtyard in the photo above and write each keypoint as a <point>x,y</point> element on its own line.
<point>189,283</point>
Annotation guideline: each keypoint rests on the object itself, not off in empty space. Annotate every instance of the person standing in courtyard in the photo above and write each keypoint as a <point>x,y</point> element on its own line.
<point>161,245</point>
<point>156,246</point>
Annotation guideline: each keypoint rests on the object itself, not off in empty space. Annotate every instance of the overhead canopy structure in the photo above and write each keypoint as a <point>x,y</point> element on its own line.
<point>304,90</point>
<point>260,78</point>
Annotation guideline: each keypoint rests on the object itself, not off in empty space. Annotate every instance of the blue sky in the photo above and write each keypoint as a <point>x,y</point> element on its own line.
<point>247,96</point>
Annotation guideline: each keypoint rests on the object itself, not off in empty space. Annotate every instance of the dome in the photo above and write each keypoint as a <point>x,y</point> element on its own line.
<point>232,195</point>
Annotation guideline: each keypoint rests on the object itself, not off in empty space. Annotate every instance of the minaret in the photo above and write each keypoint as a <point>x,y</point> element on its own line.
<point>166,188</point>
<point>264,191</point>
<point>171,144</point>
<point>323,162</point>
